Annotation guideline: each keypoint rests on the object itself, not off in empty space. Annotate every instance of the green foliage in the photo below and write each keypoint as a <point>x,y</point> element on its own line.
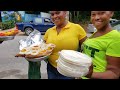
<point>84,16</point>
<point>7,24</point>
<point>116,15</point>
<point>80,16</point>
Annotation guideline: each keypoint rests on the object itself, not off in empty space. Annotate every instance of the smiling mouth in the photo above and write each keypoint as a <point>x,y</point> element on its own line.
<point>97,23</point>
<point>56,20</point>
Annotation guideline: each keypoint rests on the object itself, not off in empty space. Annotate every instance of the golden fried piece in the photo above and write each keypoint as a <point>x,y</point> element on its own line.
<point>36,51</point>
<point>20,55</point>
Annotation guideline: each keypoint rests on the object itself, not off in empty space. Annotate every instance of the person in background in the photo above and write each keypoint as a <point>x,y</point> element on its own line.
<point>104,47</point>
<point>65,35</point>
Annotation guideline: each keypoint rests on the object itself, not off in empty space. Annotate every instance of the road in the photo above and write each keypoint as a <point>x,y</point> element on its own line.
<point>12,67</point>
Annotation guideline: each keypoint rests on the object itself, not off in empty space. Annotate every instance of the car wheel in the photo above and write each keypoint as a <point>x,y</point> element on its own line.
<point>28,30</point>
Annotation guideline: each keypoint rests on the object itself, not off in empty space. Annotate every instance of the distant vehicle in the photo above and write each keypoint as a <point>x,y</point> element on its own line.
<point>91,28</point>
<point>114,23</point>
<point>39,23</point>
<point>116,27</point>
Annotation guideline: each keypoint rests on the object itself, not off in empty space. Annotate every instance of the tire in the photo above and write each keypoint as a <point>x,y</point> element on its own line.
<point>28,30</point>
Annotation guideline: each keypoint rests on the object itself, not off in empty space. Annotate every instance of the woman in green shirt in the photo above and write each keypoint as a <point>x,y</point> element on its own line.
<point>104,47</point>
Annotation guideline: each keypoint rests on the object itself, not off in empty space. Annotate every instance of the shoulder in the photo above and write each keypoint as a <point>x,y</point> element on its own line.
<point>51,29</point>
<point>115,34</point>
<point>75,25</point>
<point>114,37</point>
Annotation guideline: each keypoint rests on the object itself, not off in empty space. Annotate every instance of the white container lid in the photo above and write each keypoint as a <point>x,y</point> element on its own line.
<point>75,57</point>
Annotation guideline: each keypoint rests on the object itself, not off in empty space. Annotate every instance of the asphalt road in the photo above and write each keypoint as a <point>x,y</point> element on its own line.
<point>12,67</point>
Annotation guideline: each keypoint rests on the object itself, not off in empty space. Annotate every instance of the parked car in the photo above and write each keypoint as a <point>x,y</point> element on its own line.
<point>117,27</point>
<point>91,28</point>
<point>39,23</point>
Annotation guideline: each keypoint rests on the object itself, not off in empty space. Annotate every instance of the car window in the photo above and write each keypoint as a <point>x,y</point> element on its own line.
<point>48,21</point>
<point>38,20</point>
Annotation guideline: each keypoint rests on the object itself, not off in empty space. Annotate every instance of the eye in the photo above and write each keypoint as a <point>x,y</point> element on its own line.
<point>92,14</point>
<point>52,14</point>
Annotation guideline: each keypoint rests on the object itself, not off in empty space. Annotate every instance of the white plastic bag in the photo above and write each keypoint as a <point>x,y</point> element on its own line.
<point>33,39</point>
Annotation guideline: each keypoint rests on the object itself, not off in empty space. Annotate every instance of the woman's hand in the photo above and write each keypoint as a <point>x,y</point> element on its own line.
<point>90,71</point>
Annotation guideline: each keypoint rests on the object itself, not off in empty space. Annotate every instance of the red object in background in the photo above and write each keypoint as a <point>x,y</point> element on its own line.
<point>2,34</point>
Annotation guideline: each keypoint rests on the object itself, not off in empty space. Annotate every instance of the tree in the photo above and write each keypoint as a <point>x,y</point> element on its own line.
<point>116,15</point>
<point>79,16</point>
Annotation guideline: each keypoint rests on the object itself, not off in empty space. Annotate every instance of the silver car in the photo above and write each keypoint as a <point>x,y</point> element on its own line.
<point>117,27</point>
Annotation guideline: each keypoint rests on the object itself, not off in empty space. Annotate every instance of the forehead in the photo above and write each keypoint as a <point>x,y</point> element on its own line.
<point>54,11</point>
<point>99,11</point>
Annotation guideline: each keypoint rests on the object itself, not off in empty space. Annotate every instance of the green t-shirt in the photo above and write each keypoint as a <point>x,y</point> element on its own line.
<point>99,47</point>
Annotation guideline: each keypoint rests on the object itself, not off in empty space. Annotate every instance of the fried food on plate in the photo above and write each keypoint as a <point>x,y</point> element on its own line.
<point>36,51</point>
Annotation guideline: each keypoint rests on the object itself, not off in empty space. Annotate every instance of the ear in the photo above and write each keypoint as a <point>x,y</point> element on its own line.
<point>66,15</point>
<point>65,12</point>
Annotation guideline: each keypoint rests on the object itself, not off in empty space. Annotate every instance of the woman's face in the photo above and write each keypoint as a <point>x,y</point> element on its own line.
<point>101,19</point>
<point>58,17</point>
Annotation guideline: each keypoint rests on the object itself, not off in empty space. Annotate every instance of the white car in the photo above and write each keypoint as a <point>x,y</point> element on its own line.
<point>112,21</point>
<point>117,27</point>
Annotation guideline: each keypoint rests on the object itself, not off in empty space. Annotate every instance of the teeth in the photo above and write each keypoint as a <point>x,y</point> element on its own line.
<point>56,19</point>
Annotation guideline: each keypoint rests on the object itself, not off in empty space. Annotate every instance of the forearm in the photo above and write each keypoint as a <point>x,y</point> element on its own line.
<point>104,75</point>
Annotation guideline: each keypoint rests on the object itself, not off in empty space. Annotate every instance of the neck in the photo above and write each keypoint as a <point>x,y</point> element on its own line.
<point>62,25</point>
<point>105,29</point>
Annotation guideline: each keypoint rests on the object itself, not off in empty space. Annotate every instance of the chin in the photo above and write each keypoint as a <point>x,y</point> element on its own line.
<point>58,24</point>
<point>98,27</point>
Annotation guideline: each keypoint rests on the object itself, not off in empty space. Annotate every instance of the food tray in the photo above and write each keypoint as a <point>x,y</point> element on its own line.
<point>5,38</point>
<point>37,59</point>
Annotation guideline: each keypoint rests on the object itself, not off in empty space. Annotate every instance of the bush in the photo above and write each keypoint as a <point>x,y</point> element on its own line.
<point>8,24</point>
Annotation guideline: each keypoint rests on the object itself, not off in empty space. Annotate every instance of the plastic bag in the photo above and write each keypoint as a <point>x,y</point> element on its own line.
<point>33,39</point>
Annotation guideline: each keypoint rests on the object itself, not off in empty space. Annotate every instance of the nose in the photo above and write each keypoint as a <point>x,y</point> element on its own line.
<point>97,17</point>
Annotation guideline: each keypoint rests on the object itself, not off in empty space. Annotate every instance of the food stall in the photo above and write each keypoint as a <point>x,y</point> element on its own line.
<point>8,35</point>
